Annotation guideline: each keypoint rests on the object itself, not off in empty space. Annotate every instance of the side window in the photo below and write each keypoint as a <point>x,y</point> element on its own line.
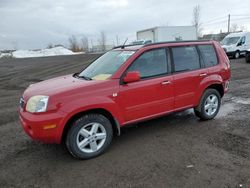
<point>243,40</point>
<point>208,55</point>
<point>151,63</point>
<point>185,58</point>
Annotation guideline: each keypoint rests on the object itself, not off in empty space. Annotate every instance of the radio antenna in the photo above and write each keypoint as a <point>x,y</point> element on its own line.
<point>123,46</point>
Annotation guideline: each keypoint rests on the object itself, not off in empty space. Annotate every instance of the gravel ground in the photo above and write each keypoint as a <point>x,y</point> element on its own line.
<point>177,150</point>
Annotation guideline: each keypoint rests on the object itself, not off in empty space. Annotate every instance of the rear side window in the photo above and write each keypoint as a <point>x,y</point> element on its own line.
<point>185,58</point>
<point>208,55</point>
<point>151,63</point>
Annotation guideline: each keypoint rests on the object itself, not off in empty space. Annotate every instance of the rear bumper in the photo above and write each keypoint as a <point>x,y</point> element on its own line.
<point>44,127</point>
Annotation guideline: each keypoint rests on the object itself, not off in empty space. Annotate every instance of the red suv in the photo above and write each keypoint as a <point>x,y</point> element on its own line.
<point>125,85</point>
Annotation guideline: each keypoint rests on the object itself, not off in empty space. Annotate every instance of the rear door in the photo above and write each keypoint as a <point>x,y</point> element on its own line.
<point>187,75</point>
<point>153,94</point>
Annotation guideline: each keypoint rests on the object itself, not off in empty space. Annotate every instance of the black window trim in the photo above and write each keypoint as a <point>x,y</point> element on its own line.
<point>167,53</point>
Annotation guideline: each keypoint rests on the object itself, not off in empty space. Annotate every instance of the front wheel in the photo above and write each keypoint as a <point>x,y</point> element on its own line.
<point>237,55</point>
<point>209,105</point>
<point>89,136</point>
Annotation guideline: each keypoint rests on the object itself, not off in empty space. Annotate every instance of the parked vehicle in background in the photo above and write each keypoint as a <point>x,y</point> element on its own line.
<point>168,33</point>
<point>126,85</point>
<point>236,44</point>
<point>248,56</point>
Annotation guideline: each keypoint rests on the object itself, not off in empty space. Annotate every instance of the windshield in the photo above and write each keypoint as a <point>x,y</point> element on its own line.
<point>106,65</point>
<point>230,40</point>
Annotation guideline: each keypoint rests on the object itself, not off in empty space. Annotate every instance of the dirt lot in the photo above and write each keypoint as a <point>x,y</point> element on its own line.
<point>174,151</point>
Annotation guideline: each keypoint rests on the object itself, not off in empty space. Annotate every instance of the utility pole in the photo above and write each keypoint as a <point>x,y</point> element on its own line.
<point>92,46</point>
<point>117,40</point>
<point>228,25</point>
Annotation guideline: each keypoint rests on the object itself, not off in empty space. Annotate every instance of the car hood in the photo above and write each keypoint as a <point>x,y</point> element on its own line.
<point>57,85</point>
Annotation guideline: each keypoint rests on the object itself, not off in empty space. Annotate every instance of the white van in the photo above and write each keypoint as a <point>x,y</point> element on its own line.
<point>236,44</point>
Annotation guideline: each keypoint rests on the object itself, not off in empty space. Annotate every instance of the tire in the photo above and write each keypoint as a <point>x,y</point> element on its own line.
<point>89,136</point>
<point>248,57</point>
<point>237,55</point>
<point>209,105</point>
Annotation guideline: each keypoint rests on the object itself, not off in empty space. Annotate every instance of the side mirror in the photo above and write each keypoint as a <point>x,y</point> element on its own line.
<point>132,76</point>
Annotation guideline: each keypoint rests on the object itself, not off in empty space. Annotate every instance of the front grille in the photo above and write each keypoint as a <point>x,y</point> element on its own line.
<point>22,103</point>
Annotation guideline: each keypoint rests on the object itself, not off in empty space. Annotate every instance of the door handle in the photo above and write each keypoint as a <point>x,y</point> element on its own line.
<point>203,74</point>
<point>165,83</point>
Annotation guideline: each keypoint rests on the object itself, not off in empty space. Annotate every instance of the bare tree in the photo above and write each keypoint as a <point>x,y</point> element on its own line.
<point>234,27</point>
<point>196,20</point>
<point>102,41</point>
<point>50,45</point>
<point>243,28</point>
<point>73,44</point>
<point>85,43</point>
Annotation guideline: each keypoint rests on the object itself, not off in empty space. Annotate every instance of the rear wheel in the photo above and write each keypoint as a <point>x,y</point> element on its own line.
<point>248,57</point>
<point>89,136</point>
<point>209,105</point>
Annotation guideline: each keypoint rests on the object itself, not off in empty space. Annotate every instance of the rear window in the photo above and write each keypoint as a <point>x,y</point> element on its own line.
<point>186,58</point>
<point>208,55</point>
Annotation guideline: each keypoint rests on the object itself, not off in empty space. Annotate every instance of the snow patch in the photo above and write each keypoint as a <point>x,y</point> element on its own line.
<point>5,55</point>
<point>56,51</point>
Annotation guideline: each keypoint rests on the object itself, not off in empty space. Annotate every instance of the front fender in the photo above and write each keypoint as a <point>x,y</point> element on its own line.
<point>85,104</point>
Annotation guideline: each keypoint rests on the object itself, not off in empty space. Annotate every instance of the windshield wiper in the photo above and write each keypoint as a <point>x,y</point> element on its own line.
<point>77,75</point>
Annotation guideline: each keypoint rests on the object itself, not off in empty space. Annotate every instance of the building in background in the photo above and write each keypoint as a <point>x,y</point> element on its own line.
<point>168,33</point>
<point>217,37</point>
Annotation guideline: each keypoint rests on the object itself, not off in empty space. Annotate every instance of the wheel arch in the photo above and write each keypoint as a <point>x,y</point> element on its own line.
<point>218,87</point>
<point>114,122</point>
<point>212,85</point>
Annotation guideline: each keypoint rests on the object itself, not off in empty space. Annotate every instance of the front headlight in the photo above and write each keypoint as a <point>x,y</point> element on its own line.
<point>37,103</point>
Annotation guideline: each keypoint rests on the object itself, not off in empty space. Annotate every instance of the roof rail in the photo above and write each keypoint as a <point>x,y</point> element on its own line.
<point>165,42</point>
<point>181,41</point>
<point>128,45</point>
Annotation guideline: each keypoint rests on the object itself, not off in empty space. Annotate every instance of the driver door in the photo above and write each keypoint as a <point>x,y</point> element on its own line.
<point>153,94</point>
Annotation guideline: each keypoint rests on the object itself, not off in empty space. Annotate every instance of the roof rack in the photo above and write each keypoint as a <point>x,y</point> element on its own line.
<point>181,41</point>
<point>128,45</point>
<point>165,42</point>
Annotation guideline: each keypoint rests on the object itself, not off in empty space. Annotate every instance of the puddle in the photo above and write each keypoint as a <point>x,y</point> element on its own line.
<point>226,109</point>
<point>232,106</point>
<point>241,100</point>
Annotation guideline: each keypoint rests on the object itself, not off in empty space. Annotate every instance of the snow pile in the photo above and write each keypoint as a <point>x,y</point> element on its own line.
<point>5,55</point>
<point>42,53</point>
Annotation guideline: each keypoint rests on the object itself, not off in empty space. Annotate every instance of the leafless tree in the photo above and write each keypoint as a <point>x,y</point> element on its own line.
<point>85,43</point>
<point>102,41</point>
<point>50,45</point>
<point>243,28</point>
<point>234,27</point>
<point>73,44</point>
<point>197,20</point>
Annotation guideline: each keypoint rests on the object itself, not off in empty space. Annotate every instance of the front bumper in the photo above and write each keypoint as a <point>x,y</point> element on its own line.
<point>43,127</point>
<point>230,53</point>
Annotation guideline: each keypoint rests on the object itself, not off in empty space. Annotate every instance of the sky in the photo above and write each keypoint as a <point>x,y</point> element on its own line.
<point>33,24</point>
